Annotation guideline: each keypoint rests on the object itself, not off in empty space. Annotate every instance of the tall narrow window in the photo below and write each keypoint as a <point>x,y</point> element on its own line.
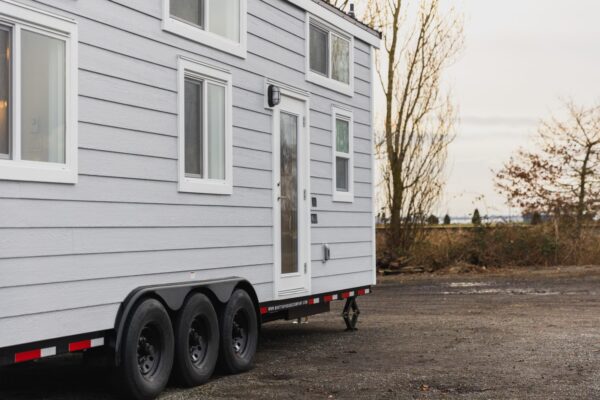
<point>342,155</point>
<point>43,126</point>
<point>205,129</point>
<point>5,100</point>
<point>217,23</point>
<point>38,96</point>
<point>329,58</point>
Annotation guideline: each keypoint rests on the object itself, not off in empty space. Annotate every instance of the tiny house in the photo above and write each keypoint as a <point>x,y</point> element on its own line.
<point>174,173</point>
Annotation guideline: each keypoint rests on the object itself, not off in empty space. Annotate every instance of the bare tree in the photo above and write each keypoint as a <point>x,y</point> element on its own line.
<point>561,176</point>
<point>419,117</point>
<point>341,4</point>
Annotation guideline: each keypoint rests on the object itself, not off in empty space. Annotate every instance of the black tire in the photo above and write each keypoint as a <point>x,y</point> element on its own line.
<point>196,341</point>
<point>239,333</point>
<point>147,352</point>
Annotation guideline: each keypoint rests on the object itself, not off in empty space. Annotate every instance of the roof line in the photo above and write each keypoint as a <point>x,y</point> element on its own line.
<point>349,18</point>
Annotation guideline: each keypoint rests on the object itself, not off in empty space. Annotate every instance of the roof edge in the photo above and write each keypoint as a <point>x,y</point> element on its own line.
<point>340,19</point>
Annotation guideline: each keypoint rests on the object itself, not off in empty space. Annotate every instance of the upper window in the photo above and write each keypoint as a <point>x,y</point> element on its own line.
<point>342,159</point>
<point>330,58</point>
<point>38,96</point>
<point>204,129</point>
<point>217,23</point>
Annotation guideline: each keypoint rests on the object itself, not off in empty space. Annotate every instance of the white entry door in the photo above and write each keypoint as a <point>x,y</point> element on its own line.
<point>292,204</point>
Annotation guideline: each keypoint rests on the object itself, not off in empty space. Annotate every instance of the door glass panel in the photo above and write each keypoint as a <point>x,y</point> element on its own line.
<point>289,193</point>
<point>43,99</point>
<point>4,91</point>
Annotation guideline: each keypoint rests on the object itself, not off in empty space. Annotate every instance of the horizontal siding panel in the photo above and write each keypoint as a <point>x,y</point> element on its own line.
<point>39,270</point>
<point>337,235</point>
<point>62,241</point>
<point>326,284</point>
<point>33,328</point>
<point>107,189</point>
<point>69,295</point>
<point>57,214</point>
<point>340,251</point>
<point>323,186</point>
<point>343,266</point>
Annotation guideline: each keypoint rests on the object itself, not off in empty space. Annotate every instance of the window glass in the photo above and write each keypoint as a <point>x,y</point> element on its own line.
<point>216,131</point>
<point>5,50</point>
<point>340,55</point>
<point>43,98</point>
<point>319,52</point>
<point>224,18</point>
<point>191,11</point>
<point>341,174</point>
<point>194,160</point>
<point>342,134</point>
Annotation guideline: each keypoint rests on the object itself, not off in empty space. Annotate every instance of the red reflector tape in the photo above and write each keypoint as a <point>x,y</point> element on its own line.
<point>83,345</point>
<point>362,292</point>
<point>327,298</point>
<point>345,295</point>
<point>28,355</point>
<point>264,310</point>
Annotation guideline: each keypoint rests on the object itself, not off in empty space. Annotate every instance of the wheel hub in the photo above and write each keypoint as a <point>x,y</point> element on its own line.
<point>198,339</point>
<point>148,353</point>
<point>239,332</point>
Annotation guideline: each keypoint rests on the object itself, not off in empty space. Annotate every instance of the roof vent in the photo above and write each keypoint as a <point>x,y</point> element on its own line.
<point>351,12</point>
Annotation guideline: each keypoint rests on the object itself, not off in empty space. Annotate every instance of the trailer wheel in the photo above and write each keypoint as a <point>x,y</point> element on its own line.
<point>239,333</point>
<point>196,341</point>
<point>147,352</point>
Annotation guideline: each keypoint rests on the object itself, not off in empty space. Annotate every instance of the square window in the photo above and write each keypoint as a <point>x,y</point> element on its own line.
<point>204,129</point>
<point>220,24</point>
<point>38,96</point>
<point>330,57</point>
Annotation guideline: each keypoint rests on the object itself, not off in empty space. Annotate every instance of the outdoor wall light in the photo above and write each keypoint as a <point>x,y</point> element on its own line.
<point>274,94</point>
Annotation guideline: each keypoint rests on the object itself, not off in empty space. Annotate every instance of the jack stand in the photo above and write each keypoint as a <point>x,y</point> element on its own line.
<point>351,320</point>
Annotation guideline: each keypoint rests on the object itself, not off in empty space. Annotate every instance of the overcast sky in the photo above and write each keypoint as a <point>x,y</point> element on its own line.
<point>521,57</point>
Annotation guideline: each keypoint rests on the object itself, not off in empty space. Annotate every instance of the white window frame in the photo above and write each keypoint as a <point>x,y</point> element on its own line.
<point>202,35</point>
<point>328,81</point>
<point>214,75</point>
<point>18,17</point>
<point>347,115</point>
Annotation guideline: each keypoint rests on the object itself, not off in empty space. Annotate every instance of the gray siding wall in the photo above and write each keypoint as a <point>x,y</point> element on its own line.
<point>69,254</point>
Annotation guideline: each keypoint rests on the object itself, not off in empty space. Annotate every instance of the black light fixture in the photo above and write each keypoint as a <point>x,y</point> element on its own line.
<point>274,94</point>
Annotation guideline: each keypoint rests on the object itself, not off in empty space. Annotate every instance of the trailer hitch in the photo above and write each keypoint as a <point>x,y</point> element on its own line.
<point>350,314</point>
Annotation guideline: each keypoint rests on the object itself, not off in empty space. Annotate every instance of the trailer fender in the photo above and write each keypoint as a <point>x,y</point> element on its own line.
<point>173,296</point>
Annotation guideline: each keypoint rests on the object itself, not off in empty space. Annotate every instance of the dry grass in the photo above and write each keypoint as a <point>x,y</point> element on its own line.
<point>503,245</point>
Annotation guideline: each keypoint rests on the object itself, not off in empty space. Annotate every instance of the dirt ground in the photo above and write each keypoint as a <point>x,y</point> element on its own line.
<point>531,334</point>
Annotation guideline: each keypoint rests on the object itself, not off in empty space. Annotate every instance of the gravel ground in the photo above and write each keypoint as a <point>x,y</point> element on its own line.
<point>527,334</point>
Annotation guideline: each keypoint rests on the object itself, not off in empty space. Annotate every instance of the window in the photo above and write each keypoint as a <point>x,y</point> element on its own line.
<point>217,23</point>
<point>204,129</point>
<point>38,96</point>
<point>330,58</point>
<point>342,159</point>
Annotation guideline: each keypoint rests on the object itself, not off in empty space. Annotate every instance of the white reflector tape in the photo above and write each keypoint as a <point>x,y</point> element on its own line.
<point>48,352</point>
<point>98,342</point>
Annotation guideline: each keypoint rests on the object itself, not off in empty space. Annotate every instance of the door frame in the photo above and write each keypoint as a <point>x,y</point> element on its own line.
<point>304,221</point>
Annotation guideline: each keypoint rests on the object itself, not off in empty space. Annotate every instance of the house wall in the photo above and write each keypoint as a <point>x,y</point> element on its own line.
<point>69,254</point>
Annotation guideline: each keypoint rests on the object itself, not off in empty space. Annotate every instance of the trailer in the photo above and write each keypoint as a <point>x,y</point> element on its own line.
<point>176,173</point>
